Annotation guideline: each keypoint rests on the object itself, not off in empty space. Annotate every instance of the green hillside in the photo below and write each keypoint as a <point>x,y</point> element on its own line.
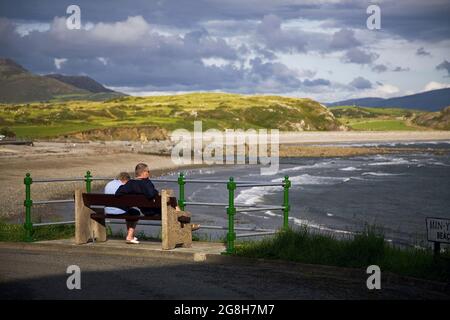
<point>378,119</point>
<point>216,110</point>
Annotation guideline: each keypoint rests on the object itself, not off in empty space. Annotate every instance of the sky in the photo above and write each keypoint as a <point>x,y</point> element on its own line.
<point>320,49</point>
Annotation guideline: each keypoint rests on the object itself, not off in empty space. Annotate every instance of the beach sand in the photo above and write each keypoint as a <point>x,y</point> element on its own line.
<point>55,160</point>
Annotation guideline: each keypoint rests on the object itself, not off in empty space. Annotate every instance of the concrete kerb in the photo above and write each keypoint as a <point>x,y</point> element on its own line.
<point>199,252</point>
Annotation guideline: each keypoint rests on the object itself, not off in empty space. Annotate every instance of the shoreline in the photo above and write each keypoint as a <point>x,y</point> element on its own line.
<point>329,137</point>
<point>107,159</point>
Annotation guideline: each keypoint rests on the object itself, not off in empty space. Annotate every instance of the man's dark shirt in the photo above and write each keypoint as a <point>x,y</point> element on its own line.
<point>140,186</point>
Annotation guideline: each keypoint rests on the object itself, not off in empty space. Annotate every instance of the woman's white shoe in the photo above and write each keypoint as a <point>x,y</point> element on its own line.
<point>134,241</point>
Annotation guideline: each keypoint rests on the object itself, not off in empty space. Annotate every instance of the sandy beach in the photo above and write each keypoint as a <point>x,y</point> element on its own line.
<point>53,160</point>
<point>106,159</point>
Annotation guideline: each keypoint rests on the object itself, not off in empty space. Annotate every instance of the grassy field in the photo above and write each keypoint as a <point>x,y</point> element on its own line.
<point>216,110</point>
<point>381,125</point>
<point>368,248</point>
<point>377,119</point>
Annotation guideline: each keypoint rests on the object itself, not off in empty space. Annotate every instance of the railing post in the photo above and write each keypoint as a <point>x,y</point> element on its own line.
<point>287,207</point>
<point>88,179</point>
<point>231,211</point>
<point>28,203</point>
<point>181,183</point>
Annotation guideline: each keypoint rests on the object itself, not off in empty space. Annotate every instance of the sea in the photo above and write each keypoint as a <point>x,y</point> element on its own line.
<point>392,194</point>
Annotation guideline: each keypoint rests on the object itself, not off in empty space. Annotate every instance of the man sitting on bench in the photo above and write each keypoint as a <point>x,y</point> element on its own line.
<point>142,185</point>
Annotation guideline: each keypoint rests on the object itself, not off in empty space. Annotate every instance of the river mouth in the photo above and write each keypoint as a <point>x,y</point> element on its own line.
<point>339,196</point>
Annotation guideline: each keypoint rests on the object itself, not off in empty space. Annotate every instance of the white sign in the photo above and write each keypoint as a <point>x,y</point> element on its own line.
<point>438,230</point>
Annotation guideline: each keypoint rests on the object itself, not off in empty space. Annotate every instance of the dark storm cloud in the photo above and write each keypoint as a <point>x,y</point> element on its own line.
<point>316,82</point>
<point>211,44</point>
<point>400,69</point>
<point>361,83</point>
<point>379,68</point>
<point>344,39</point>
<point>422,52</point>
<point>130,53</point>
<point>277,39</point>
<point>359,56</point>
<point>413,19</point>
<point>444,65</point>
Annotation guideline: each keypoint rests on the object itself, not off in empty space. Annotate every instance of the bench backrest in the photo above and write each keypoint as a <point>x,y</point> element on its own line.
<point>126,200</point>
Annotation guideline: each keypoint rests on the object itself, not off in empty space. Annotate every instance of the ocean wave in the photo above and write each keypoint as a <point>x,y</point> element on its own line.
<point>307,166</point>
<point>349,169</point>
<point>304,222</point>
<point>380,174</point>
<point>255,195</point>
<point>394,161</point>
<point>307,179</point>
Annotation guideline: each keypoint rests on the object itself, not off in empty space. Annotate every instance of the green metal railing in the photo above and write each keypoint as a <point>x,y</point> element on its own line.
<point>231,207</point>
<point>28,203</point>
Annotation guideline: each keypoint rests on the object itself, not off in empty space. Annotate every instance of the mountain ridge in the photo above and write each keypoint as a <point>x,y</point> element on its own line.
<point>433,100</point>
<point>19,85</point>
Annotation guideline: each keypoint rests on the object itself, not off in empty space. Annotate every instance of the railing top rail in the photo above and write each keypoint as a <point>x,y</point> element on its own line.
<point>261,184</point>
<point>239,183</point>
<point>58,180</point>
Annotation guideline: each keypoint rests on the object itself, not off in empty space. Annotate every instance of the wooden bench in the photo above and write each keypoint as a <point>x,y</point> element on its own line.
<point>90,218</point>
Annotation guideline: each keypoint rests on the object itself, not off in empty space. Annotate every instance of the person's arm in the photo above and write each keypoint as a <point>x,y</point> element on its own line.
<point>123,189</point>
<point>150,190</point>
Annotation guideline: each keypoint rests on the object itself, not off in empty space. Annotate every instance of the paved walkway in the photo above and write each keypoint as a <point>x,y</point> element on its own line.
<point>114,270</point>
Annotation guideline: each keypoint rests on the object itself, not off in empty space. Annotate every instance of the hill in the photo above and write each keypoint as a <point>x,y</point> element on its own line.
<point>438,120</point>
<point>433,100</point>
<point>385,119</point>
<point>127,118</point>
<point>81,82</point>
<point>18,85</point>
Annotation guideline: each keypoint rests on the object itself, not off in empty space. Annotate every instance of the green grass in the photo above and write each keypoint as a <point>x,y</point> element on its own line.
<point>368,248</point>
<point>16,232</point>
<point>36,132</point>
<point>377,119</point>
<point>381,125</point>
<point>216,110</point>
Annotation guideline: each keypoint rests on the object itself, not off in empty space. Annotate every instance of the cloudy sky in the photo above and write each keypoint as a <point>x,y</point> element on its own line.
<point>320,49</point>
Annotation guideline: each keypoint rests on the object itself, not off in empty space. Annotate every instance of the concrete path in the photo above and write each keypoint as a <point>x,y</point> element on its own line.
<point>114,270</point>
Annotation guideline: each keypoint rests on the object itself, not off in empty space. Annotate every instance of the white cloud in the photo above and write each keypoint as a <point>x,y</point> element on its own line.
<point>59,62</point>
<point>433,85</point>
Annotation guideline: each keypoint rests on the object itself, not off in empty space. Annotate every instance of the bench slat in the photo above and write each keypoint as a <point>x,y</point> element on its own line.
<point>128,200</point>
<point>100,216</point>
